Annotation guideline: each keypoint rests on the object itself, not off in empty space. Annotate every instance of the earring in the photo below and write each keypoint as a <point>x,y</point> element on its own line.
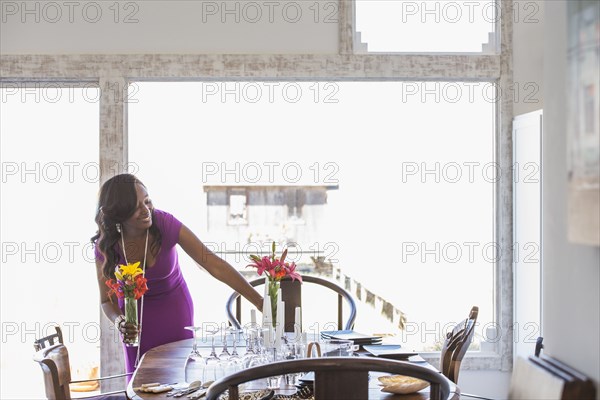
<point>118,227</point>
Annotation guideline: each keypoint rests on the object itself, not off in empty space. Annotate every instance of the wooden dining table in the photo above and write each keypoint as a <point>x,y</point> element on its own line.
<point>165,364</point>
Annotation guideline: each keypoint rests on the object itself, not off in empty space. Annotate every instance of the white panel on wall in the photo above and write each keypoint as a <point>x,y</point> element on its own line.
<point>527,140</point>
<point>148,26</point>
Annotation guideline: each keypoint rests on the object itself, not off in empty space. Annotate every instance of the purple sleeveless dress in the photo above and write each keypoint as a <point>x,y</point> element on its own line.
<point>168,306</point>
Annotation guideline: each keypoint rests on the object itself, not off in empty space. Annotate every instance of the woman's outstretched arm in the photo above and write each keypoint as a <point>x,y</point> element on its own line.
<point>218,267</point>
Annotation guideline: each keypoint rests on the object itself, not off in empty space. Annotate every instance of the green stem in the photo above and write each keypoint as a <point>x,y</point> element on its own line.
<point>273,293</point>
<point>131,314</point>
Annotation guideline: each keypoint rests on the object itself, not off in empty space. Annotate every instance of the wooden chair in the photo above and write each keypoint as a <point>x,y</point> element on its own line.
<point>54,361</point>
<point>49,340</point>
<point>336,378</point>
<point>292,296</point>
<point>456,345</point>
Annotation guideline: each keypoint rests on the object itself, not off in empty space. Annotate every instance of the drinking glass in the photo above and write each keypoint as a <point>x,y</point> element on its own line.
<point>270,355</point>
<point>251,349</point>
<point>194,363</point>
<point>235,335</point>
<point>213,368</point>
<point>234,361</point>
<point>225,354</point>
<point>292,351</point>
<point>338,348</point>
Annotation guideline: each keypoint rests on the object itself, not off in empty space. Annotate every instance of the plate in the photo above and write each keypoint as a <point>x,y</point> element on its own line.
<point>389,351</point>
<point>401,384</point>
<point>356,337</point>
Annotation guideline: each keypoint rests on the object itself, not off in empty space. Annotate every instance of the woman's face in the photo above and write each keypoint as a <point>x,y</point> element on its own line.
<point>142,217</point>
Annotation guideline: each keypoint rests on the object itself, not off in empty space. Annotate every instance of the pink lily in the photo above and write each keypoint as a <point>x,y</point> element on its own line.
<point>291,271</point>
<point>262,265</point>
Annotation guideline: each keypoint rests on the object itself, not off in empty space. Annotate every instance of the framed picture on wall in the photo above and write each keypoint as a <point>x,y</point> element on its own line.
<point>583,136</point>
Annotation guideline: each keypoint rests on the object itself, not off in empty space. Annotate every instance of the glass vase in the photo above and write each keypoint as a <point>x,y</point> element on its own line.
<point>273,293</point>
<point>131,317</point>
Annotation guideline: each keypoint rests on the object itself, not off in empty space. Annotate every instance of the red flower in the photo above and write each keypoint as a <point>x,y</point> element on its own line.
<point>115,288</point>
<point>275,268</point>
<point>130,288</point>
<point>140,286</point>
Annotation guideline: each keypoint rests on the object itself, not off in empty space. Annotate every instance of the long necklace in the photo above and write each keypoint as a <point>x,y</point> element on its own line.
<point>137,358</point>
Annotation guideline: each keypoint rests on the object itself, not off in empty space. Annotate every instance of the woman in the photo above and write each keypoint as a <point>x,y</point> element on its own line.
<point>130,229</point>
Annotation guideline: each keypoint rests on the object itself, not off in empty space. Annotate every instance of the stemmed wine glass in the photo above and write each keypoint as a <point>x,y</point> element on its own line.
<point>194,363</point>
<point>213,368</point>
<point>225,354</point>
<point>251,351</point>
<point>235,335</point>
<point>233,362</point>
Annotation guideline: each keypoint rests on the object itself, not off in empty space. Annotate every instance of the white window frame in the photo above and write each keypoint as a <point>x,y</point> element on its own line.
<point>113,73</point>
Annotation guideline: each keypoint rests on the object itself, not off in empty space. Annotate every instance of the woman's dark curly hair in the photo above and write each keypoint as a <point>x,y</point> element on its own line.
<point>117,202</point>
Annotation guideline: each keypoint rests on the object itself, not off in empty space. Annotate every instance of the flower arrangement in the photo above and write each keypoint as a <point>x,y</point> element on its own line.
<point>130,282</point>
<point>274,269</point>
<point>130,286</point>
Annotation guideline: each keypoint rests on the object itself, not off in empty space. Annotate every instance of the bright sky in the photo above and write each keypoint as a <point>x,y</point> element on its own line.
<point>426,26</point>
<point>382,138</point>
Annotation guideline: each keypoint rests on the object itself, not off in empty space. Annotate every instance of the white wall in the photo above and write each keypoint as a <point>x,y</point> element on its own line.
<point>528,55</point>
<point>571,273</point>
<point>149,26</point>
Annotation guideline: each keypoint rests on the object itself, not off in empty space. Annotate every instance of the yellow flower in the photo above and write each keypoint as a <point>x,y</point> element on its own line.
<point>128,271</point>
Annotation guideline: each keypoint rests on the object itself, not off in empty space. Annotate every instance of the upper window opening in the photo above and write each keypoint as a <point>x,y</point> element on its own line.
<point>441,26</point>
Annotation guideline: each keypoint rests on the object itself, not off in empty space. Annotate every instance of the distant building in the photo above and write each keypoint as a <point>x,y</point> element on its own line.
<point>247,219</point>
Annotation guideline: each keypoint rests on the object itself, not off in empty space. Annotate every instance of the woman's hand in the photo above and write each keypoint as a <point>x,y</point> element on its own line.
<point>129,331</point>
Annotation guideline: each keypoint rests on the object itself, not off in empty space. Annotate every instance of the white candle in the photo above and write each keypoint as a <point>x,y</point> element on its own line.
<point>279,328</point>
<point>267,313</point>
<point>297,321</point>
<point>282,317</point>
<point>253,317</point>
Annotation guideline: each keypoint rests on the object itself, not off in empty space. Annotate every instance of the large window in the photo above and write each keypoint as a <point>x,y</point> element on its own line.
<point>50,179</point>
<point>392,183</point>
<point>441,26</point>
